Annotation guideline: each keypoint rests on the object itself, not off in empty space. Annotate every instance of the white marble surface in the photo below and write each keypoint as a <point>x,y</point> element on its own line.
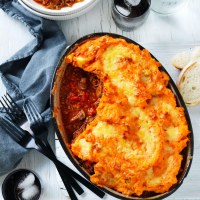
<point>164,36</point>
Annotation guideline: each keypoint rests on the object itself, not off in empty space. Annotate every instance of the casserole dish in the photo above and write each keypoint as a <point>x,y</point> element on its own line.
<point>65,139</point>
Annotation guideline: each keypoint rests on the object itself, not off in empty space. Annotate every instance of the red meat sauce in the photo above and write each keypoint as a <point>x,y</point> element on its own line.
<point>57,4</point>
<point>79,97</point>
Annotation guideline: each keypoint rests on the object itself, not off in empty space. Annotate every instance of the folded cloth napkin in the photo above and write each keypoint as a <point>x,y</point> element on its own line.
<point>28,74</point>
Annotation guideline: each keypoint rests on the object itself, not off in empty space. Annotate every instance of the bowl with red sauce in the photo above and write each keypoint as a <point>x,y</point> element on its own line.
<point>75,96</point>
<point>59,7</point>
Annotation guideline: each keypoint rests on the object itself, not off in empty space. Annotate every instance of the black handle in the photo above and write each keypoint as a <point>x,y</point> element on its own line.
<point>82,180</point>
<point>47,151</point>
<point>67,186</point>
<point>66,178</point>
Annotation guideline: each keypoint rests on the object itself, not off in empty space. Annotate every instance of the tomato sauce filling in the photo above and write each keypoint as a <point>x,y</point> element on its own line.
<point>57,4</point>
<point>80,92</point>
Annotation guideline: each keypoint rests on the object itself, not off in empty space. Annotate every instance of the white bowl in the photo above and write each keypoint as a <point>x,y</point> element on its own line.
<point>59,17</point>
<point>63,11</point>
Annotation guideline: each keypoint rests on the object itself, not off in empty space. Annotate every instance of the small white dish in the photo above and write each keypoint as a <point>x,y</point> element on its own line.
<point>59,17</point>
<point>64,11</point>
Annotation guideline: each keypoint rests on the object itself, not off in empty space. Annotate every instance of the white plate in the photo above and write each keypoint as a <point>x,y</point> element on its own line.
<point>59,17</point>
<point>64,11</point>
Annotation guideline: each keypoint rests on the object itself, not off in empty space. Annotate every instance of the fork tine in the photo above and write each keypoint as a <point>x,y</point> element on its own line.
<point>35,111</point>
<point>7,104</point>
<point>9,128</point>
<point>7,109</point>
<point>34,114</point>
<point>11,108</point>
<point>28,113</point>
<point>13,103</point>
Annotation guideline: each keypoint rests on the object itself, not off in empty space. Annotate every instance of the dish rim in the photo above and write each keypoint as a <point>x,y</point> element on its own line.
<point>180,102</point>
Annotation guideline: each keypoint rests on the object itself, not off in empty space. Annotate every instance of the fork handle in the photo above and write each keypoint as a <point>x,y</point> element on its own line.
<point>82,180</point>
<point>45,150</point>
<point>66,177</point>
<point>67,186</point>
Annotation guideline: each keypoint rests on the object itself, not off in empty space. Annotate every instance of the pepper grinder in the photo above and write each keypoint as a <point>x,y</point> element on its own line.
<point>129,14</point>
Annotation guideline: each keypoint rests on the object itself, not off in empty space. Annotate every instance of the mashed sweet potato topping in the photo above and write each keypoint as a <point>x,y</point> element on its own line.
<point>138,133</point>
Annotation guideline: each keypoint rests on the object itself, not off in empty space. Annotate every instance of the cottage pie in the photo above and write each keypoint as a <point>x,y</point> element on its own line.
<point>135,133</point>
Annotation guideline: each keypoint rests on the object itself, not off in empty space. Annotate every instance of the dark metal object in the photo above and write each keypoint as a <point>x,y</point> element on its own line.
<point>40,130</point>
<point>187,153</point>
<point>26,140</point>
<point>36,122</point>
<point>127,15</point>
<point>15,113</point>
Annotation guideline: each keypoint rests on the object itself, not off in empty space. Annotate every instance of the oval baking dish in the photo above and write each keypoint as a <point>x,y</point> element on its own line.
<point>65,139</point>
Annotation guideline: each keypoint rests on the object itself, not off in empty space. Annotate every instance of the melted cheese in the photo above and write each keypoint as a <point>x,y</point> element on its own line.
<point>138,130</point>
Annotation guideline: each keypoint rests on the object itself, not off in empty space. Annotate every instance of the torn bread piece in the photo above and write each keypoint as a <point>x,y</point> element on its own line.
<point>189,83</point>
<point>180,60</point>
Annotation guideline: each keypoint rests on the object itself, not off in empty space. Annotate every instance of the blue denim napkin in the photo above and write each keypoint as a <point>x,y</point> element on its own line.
<point>28,74</point>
